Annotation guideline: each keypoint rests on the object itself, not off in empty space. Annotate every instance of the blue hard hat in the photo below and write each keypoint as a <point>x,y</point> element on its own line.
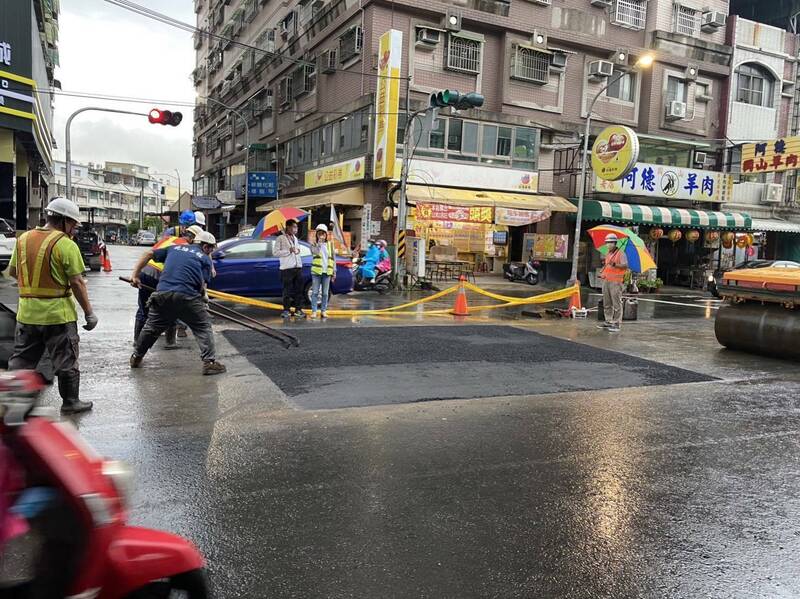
<point>186,218</point>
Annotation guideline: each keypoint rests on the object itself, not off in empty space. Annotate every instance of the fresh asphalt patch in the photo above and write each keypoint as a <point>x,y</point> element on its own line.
<point>365,366</point>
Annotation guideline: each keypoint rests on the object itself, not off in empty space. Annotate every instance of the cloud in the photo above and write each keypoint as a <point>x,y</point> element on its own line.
<point>108,50</point>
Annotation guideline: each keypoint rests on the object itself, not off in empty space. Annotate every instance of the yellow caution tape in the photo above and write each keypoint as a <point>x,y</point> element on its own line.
<point>508,301</point>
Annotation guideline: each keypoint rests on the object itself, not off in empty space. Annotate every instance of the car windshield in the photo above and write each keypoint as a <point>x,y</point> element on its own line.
<point>5,227</point>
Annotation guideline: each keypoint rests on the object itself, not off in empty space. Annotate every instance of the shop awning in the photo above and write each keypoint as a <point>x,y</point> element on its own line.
<point>496,199</point>
<point>781,226</point>
<point>350,196</point>
<point>656,215</point>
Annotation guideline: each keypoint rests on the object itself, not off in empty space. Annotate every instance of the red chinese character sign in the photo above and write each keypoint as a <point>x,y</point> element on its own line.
<point>771,156</point>
<point>459,214</point>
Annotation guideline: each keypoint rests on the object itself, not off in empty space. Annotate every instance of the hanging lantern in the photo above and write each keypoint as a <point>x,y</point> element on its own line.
<point>728,237</point>
<point>674,235</point>
<point>750,251</point>
<point>741,242</point>
<point>656,233</point>
<point>712,236</point>
<point>692,235</point>
<point>750,239</point>
<point>727,243</point>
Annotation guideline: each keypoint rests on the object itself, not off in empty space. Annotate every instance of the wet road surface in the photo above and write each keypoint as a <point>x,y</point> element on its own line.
<point>672,490</point>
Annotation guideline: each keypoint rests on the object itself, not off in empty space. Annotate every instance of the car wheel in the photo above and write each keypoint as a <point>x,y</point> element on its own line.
<point>190,585</point>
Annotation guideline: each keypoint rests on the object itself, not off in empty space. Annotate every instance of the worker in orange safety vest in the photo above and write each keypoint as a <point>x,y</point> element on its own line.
<point>615,266</point>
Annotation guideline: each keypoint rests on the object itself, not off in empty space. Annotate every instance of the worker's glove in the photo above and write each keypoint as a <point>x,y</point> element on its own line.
<point>91,321</point>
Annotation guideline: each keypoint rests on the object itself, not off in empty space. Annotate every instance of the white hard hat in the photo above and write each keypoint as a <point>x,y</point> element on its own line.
<point>321,227</point>
<point>200,218</point>
<point>195,230</point>
<point>611,237</point>
<point>205,237</point>
<point>64,207</point>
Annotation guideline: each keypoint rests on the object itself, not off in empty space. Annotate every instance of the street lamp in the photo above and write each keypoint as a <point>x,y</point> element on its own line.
<point>644,62</point>
<point>247,146</point>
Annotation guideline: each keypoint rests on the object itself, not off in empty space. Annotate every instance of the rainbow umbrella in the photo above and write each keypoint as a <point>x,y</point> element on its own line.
<point>639,259</point>
<point>276,221</point>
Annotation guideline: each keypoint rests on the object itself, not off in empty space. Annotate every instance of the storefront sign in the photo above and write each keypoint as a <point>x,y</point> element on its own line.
<point>518,218</point>
<point>341,172</point>
<point>471,176</point>
<point>552,247</point>
<point>771,156</point>
<point>390,53</point>
<point>671,182</point>
<point>459,214</point>
<point>5,54</point>
<point>262,184</point>
<point>415,258</point>
<point>366,225</point>
<point>615,152</point>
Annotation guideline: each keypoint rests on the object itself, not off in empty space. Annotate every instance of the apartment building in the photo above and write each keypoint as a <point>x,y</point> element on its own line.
<point>110,195</point>
<point>305,83</point>
<point>28,58</point>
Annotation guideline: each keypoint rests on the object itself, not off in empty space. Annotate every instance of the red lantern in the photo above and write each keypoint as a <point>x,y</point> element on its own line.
<point>712,236</point>
<point>742,242</point>
<point>674,235</point>
<point>656,234</point>
<point>692,235</point>
<point>750,251</point>
<point>727,243</point>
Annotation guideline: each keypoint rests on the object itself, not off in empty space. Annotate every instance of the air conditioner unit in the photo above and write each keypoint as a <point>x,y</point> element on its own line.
<point>428,38</point>
<point>541,2</point>
<point>700,159</point>
<point>713,20</point>
<point>327,61</point>
<point>601,3</point>
<point>773,193</point>
<point>676,110</point>
<point>601,68</point>
<point>558,61</point>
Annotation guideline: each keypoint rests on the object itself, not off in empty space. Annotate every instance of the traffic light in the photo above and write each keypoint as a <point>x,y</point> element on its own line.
<point>164,117</point>
<point>459,101</point>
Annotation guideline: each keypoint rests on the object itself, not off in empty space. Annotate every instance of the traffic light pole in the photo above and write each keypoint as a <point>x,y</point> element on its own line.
<point>68,140</point>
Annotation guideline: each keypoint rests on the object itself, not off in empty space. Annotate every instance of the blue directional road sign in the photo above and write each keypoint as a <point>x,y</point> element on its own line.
<point>263,184</point>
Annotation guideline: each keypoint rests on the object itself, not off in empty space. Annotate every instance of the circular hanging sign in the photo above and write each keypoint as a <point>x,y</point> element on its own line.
<point>614,152</point>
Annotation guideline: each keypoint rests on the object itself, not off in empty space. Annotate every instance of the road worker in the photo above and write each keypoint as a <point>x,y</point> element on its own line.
<point>48,267</point>
<point>613,274</point>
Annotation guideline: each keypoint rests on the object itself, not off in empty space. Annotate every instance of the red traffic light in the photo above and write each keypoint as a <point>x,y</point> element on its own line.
<point>164,117</point>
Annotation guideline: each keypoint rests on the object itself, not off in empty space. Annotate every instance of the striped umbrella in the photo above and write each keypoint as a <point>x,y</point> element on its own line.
<point>276,221</point>
<point>639,259</point>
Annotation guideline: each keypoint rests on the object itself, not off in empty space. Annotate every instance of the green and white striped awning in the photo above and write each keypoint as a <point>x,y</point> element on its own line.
<point>657,215</point>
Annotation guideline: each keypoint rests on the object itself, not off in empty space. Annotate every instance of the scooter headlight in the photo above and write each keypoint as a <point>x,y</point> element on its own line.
<point>122,476</point>
<point>710,278</point>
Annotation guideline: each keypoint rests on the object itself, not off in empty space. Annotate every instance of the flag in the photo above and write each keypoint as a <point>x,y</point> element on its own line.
<point>338,234</point>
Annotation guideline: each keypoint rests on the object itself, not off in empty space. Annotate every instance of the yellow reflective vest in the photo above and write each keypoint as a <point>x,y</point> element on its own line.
<point>34,277</point>
<point>316,261</point>
<point>165,243</point>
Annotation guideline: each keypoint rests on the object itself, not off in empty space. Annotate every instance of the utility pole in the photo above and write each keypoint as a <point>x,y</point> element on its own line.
<point>141,207</point>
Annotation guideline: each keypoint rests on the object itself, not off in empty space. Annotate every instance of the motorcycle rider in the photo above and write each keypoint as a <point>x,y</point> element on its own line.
<point>375,253</point>
<point>48,266</point>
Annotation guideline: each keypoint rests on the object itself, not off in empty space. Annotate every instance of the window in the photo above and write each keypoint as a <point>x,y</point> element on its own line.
<point>754,85</point>
<point>686,20</point>
<point>530,65</point>
<point>676,89</point>
<point>464,54</point>
<point>504,141</point>
<point>524,148</point>
<point>470,138</point>
<point>350,43</point>
<point>489,140</point>
<point>630,13</point>
<point>437,134</point>
<point>622,88</point>
<point>454,132</point>
<point>247,250</point>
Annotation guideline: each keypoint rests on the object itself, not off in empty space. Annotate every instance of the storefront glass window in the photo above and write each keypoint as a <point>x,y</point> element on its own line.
<point>327,134</point>
<point>489,140</point>
<point>524,148</point>
<point>470,143</point>
<point>454,134</point>
<point>504,141</point>
<point>315,144</point>
<point>437,134</point>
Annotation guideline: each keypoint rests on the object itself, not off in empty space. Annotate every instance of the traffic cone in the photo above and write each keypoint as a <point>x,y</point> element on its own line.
<point>575,299</point>
<point>460,307</point>
<point>106,263</point>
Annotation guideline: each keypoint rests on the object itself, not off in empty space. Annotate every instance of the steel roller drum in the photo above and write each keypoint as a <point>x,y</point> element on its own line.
<point>766,329</point>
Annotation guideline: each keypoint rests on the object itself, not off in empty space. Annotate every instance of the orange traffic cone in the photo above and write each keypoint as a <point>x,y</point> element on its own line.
<point>106,263</point>
<point>460,307</point>
<point>575,299</point>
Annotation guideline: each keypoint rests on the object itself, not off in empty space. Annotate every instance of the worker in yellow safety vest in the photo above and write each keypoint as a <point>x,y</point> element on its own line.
<point>150,275</point>
<point>323,270</point>
<point>615,267</point>
<point>49,268</point>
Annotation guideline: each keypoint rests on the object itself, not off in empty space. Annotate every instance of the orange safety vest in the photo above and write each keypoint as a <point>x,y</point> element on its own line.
<point>34,274</point>
<point>164,243</point>
<point>612,271</point>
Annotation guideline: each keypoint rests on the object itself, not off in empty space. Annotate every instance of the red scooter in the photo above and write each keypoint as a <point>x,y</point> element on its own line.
<point>95,554</point>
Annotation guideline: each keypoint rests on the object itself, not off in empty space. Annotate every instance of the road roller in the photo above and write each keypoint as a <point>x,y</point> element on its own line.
<point>761,314</point>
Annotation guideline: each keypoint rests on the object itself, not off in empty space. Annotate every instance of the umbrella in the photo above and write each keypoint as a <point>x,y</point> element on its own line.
<point>639,259</point>
<point>276,221</point>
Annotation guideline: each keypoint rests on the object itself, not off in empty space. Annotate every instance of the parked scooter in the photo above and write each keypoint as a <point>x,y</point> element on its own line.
<point>76,502</point>
<point>518,271</point>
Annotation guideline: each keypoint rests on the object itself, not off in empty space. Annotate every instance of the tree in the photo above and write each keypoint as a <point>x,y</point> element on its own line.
<point>151,223</point>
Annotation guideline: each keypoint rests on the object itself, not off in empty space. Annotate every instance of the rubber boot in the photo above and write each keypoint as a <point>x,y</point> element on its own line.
<point>69,384</point>
<point>171,338</point>
<point>138,325</point>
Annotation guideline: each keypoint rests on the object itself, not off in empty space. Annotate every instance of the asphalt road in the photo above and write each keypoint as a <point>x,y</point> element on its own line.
<point>673,489</point>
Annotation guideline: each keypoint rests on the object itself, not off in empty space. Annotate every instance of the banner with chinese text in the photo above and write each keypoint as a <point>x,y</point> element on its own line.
<point>771,156</point>
<point>517,218</point>
<point>341,172</point>
<point>671,182</point>
<point>461,214</point>
<point>390,53</point>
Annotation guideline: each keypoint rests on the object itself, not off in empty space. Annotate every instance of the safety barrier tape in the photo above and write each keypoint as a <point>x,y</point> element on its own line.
<point>508,301</point>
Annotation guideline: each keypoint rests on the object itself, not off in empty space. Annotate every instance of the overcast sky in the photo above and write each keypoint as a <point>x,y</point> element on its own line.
<point>109,50</point>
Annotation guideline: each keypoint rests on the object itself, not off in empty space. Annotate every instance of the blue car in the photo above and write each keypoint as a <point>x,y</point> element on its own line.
<point>247,267</point>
